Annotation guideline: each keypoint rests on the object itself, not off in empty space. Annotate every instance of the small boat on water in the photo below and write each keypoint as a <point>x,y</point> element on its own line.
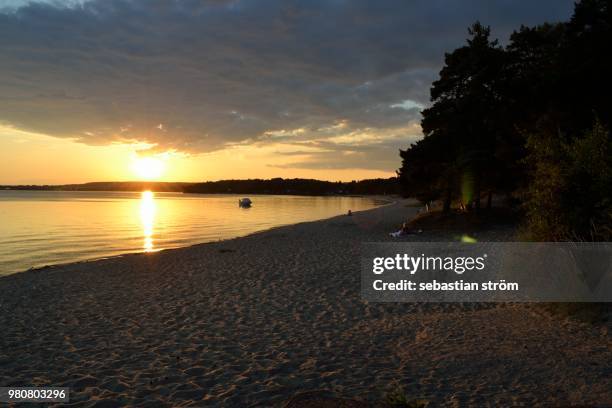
<point>244,202</point>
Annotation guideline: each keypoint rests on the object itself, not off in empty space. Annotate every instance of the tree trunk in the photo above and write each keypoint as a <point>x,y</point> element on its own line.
<point>477,192</point>
<point>490,200</point>
<point>447,201</point>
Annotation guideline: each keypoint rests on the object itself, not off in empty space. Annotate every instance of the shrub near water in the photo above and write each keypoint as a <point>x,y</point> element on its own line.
<point>570,193</point>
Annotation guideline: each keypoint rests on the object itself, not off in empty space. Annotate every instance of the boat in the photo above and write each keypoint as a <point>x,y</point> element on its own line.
<point>244,202</point>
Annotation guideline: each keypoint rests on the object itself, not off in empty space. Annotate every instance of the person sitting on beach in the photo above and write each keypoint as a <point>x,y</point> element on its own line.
<point>405,230</point>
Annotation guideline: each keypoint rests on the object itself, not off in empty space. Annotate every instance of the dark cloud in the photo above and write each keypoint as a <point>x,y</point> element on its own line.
<point>372,153</point>
<point>219,72</point>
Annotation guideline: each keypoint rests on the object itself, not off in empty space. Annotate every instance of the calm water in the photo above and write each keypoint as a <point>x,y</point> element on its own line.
<point>45,227</point>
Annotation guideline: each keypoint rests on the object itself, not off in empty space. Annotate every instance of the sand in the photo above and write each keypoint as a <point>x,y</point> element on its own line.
<point>254,321</point>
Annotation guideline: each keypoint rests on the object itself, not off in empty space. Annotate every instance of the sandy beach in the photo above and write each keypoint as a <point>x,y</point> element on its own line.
<point>255,320</point>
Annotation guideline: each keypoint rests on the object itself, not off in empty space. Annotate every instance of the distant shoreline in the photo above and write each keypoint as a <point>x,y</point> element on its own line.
<point>373,195</point>
<point>274,186</point>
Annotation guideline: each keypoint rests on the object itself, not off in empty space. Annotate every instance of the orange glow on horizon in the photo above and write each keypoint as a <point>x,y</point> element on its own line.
<point>31,158</point>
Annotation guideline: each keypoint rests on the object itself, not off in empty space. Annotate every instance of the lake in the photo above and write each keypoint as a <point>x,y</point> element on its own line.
<point>40,228</point>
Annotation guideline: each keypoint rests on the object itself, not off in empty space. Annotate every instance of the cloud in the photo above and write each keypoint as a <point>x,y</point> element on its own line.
<point>218,73</point>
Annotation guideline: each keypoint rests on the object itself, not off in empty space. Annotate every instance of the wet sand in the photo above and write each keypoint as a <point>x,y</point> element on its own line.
<point>253,321</point>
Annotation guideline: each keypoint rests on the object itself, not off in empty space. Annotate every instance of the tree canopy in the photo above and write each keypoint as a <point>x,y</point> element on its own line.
<point>496,110</point>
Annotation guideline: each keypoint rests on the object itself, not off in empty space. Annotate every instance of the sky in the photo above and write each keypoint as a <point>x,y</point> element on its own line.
<point>97,90</point>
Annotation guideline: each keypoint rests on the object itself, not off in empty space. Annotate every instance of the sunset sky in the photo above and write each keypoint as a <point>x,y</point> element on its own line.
<point>206,90</point>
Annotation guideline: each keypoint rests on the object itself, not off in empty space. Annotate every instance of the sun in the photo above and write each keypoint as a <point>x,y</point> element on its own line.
<point>148,168</point>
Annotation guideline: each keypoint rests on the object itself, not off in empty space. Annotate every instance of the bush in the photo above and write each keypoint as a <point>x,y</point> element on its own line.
<point>569,197</point>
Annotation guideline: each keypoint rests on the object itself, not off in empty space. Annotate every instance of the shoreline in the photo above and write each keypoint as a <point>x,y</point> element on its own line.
<point>254,321</point>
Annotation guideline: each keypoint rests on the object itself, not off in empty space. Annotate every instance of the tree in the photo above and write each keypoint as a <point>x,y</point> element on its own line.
<point>570,193</point>
<point>585,66</point>
<point>521,119</point>
<point>461,123</point>
<point>427,171</point>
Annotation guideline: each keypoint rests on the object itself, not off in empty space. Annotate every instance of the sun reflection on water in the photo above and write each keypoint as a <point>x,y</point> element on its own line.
<point>147,219</point>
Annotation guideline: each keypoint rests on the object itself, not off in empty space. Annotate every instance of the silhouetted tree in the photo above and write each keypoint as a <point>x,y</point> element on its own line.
<point>295,186</point>
<point>461,123</point>
<point>422,166</point>
<point>550,83</point>
<point>585,65</point>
